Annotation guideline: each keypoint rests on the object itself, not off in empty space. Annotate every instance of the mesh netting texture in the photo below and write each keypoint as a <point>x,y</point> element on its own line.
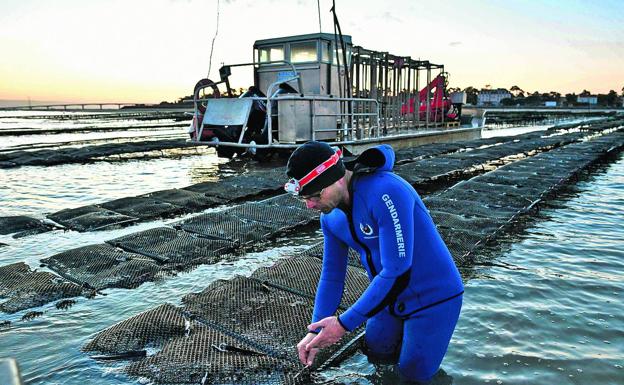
<point>148,329</point>
<point>455,164</point>
<point>208,356</point>
<point>167,203</point>
<point>101,266</point>
<point>89,218</point>
<point>236,187</point>
<point>22,288</point>
<point>251,222</point>
<point>20,225</point>
<point>143,207</point>
<point>84,154</point>
<point>265,315</point>
<point>301,275</point>
<point>170,246</point>
<point>484,205</point>
<point>190,201</point>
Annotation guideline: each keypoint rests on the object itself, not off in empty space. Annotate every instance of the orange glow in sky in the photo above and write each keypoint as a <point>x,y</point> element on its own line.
<point>150,51</point>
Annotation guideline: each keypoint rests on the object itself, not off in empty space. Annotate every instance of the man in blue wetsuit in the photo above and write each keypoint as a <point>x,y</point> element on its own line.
<point>414,299</point>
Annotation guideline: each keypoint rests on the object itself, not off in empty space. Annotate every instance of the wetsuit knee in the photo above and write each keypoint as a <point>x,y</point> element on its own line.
<point>383,358</point>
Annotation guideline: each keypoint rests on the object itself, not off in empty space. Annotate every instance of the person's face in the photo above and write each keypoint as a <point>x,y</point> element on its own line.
<point>325,200</point>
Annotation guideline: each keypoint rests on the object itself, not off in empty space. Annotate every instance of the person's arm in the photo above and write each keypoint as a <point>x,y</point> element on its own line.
<point>393,209</point>
<point>328,293</point>
<point>331,284</point>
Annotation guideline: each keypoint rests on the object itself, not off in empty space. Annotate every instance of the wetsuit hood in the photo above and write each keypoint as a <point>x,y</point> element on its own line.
<point>378,158</point>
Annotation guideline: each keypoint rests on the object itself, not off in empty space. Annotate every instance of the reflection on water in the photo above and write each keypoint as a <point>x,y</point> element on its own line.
<point>36,190</point>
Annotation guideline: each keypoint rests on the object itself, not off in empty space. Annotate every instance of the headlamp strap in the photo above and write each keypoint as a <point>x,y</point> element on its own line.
<point>294,186</point>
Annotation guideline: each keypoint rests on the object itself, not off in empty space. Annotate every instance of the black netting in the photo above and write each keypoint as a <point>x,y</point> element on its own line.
<point>461,235</point>
<point>274,174</point>
<point>91,153</point>
<point>261,314</point>
<point>287,200</point>
<point>101,266</point>
<point>21,223</point>
<point>88,218</point>
<point>271,213</point>
<point>231,228</point>
<point>236,187</point>
<point>21,288</point>
<point>316,251</point>
<point>455,164</point>
<point>189,200</point>
<point>143,208</point>
<point>208,356</point>
<point>148,329</point>
<point>469,209</point>
<point>482,206</point>
<point>171,246</point>
<point>256,322</point>
<point>301,275</point>
<point>526,193</point>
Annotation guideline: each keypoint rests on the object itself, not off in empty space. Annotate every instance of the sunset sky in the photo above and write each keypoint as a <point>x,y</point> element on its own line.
<point>154,50</point>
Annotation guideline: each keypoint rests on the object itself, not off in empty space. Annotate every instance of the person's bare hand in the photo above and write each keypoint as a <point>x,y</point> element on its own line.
<point>331,332</point>
<point>306,356</point>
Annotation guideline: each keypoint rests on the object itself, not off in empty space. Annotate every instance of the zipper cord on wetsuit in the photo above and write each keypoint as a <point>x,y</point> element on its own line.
<point>349,212</point>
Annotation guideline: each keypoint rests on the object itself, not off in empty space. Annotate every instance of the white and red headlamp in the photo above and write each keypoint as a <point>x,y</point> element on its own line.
<point>293,186</point>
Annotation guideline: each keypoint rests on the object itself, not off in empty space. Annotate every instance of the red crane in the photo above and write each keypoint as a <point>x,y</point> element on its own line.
<point>438,104</point>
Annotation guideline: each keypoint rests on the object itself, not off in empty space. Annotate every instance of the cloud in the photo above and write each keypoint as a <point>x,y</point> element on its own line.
<point>388,16</point>
<point>455,43</point>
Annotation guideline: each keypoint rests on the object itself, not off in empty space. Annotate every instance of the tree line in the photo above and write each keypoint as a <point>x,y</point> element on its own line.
<point>520,97</point>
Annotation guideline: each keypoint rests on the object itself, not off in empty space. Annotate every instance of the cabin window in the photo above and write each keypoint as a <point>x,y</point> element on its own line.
<point>303,52</point>
<point>339,54</point>
<point>325,51</point>
<point>271,54</point>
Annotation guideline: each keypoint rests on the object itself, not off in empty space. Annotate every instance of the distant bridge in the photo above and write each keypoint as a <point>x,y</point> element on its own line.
<point>108,106</point>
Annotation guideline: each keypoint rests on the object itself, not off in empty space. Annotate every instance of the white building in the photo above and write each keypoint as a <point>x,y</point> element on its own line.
<point>591,99</point>
<point>492,97</point>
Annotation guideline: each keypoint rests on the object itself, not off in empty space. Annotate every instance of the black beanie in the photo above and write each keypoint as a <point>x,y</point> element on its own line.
<point>306,158</point>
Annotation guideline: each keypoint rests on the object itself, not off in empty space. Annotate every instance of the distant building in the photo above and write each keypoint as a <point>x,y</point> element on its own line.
<point>492,97</point>
<point>591,99</point>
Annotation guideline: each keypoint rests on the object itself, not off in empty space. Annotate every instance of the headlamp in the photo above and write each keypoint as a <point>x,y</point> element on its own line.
<point>293,186</point>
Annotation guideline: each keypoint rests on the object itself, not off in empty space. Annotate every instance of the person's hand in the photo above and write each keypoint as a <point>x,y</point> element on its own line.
<point>331,332</point>
<point>306,356</point>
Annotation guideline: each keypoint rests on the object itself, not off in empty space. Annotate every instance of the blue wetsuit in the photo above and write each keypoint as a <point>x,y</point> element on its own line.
<point>413,301</point>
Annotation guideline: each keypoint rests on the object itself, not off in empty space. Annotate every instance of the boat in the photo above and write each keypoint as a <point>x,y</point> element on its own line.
<point>322,87</point>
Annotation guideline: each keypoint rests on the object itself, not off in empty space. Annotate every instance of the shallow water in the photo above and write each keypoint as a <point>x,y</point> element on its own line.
<point>35,191</point>
<point>550,310</point>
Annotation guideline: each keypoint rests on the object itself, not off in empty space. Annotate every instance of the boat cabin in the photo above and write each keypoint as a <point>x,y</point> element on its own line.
<point>313,55</point>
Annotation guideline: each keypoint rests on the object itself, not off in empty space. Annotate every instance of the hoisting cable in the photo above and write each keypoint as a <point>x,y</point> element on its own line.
<point>318,4</point>
<point>347,88</point>
<point>213,41</point>
<point>337,61</point>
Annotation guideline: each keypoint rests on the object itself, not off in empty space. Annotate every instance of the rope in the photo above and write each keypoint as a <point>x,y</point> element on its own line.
<point>318,4</point>
<point>213,41</point>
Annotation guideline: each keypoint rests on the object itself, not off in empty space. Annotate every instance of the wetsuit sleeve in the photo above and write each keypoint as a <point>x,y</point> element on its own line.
<point>331,284</point>
<point>393,209</point>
